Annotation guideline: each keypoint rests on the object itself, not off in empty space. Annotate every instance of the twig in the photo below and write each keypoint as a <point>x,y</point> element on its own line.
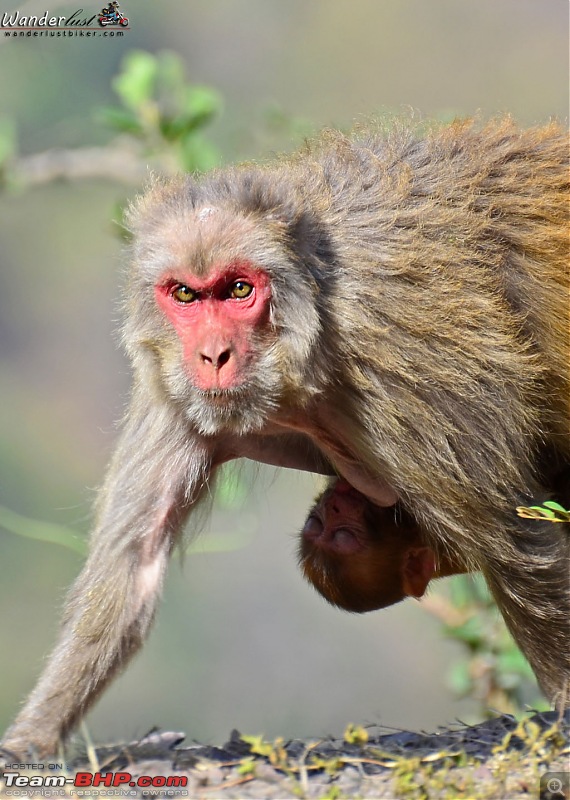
<point>109,163</point>
<point>444,610</point>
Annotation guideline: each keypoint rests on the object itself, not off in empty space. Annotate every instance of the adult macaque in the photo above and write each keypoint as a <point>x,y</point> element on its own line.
<point>400,302</point>
<point>361,557</point>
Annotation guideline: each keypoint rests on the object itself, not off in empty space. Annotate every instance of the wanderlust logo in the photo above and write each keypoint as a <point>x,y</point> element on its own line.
<point>110,21</point>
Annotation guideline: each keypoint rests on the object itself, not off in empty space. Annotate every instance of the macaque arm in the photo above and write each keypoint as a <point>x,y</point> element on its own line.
<point>338,448</point>
<point>330,448</point>
<point>291,450</point>
<point>376,489</point>
<point>158,473</point>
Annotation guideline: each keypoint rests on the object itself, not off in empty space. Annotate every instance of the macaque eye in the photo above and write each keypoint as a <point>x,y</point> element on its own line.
<point>184,294</point>
<point>241,289</point>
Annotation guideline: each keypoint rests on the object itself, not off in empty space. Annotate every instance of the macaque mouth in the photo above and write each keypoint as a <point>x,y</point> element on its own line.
<point>221,394</point>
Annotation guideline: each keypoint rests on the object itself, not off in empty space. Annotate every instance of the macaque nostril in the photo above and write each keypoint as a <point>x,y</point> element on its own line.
<point>216,361</point>
<point>223,358</point>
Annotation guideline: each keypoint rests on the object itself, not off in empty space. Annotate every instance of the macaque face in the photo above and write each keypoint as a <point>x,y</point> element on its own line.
<point>211,332</point>
<point>222,306</point>
<point>361,557</point>
<point>216,319</point>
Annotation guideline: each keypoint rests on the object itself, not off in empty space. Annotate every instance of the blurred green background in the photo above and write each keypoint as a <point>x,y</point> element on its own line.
<point>240,640</point>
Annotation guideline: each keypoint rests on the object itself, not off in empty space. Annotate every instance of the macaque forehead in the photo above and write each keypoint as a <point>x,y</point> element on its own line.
<point>198,240</point>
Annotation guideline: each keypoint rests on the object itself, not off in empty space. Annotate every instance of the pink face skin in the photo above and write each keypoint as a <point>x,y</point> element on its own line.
<point>216,327</point>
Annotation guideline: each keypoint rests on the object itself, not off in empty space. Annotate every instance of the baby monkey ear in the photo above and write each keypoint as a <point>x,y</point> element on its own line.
<point>419,569</point>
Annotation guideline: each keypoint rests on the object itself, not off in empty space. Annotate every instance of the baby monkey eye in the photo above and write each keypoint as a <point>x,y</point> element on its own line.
<point>184,294</point>
<point>241,289</point>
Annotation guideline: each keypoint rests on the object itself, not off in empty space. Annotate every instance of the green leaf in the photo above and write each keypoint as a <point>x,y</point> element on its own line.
<point>459,679</point>
<point>171,127</point>
<point>258,745</point>
<point>200,103</point>
<point>467,590</point>
<point>136,83</point>
<point>247,766</point>
<point>511,659</point>
<point>355,734</point>
<point>461,591</point>
<point>120,119</point>
<point>198,106</point>
<point>231,487</point>
<point>470,633</point>
<point>197,154</point>
<point>41,531</point>
<point>544,512</point>
<point>556,507</point>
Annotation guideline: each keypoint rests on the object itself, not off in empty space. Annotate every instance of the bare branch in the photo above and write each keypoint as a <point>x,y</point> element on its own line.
<point>443,610</point>
<point>117,164</point>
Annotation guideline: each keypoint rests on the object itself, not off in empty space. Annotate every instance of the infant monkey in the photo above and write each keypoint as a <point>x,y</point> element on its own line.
<point>361,557</point>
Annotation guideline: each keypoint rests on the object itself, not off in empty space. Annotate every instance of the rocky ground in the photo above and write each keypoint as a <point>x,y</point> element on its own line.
<point>500,758</point>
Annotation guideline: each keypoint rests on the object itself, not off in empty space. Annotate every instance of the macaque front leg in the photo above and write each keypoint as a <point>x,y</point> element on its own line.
<point>156,476</point>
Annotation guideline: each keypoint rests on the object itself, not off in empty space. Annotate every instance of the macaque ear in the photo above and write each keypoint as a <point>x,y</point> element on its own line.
<point>418,570</point>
